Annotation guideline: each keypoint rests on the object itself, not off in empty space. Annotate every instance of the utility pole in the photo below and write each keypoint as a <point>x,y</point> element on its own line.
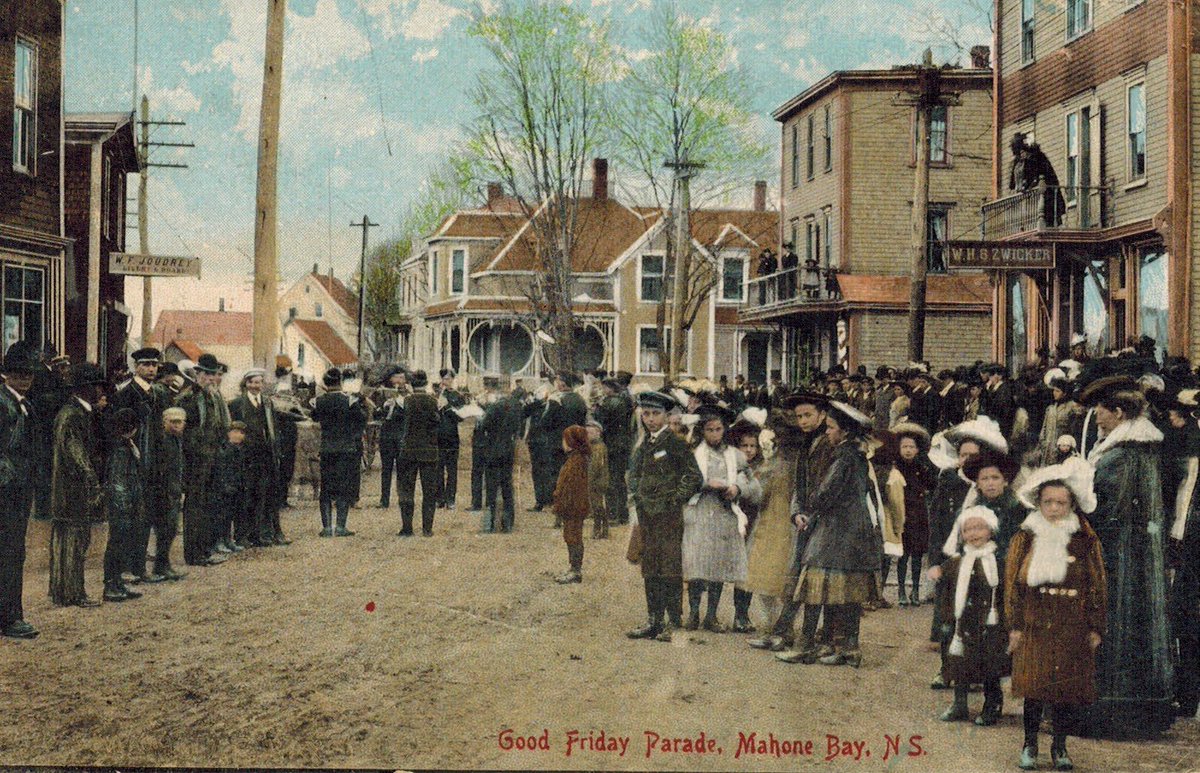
<point>366,225</point>
<point>266,300</point>
<point>927,96</point>
<point>143,214</point>
<point>684,171</point>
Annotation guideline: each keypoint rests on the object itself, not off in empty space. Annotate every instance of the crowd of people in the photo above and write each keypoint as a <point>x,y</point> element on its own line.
<point>1047,520</point>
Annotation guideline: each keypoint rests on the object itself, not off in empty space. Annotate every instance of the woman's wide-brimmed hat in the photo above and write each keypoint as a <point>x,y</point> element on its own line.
<point>1074,473</point>
<point>983,430</point>
<point>1006,464</point>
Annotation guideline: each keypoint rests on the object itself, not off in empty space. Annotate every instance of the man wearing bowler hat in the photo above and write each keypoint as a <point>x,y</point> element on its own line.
<point>203,435</point>
<point>148,400</point>
<point>18,425</point>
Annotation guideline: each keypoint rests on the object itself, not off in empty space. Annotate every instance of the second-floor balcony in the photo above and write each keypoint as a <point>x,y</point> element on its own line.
<point>791,288</point>
<point>1046,210</point>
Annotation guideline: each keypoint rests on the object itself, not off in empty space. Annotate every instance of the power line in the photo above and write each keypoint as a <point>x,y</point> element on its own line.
<point>378,81</point>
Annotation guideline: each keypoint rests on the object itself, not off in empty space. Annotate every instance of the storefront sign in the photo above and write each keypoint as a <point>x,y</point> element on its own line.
<point>1018,255</point>
<point>153,265</point>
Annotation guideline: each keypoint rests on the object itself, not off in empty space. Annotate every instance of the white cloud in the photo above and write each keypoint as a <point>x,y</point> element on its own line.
<point>795,39</point>
<point>429,20</point>
<point>806,70</point>
<point>323,39</point>
<point>195,68</point>
<point>425,55</point>
<point>178,100</point>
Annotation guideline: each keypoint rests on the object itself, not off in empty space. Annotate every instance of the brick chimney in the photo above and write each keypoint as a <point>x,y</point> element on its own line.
<point>981,57</point>
<point>495,191</point>
<point>316,268</point>
<point>600,179</point>
<point>220,304</point>
<point>760,196</point>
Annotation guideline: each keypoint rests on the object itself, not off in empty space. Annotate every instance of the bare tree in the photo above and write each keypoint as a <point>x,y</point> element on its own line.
<point>686,100</point>
<point>542,107</point>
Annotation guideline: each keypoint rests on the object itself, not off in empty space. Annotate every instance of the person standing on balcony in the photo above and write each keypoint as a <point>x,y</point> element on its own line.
<point>789,263</point>
<point>768,264</point>
<point>812,279</point>
<point>1029,165</point>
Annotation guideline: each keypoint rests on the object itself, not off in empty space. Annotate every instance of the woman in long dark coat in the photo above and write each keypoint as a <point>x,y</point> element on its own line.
<point>1135,676</point>
<point>841,560</point>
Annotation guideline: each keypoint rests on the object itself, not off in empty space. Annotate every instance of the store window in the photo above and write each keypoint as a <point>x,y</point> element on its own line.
<point>1018,334</point>
<point>1152,297</point>
<point>1095,305</point>
<point>24,305</point>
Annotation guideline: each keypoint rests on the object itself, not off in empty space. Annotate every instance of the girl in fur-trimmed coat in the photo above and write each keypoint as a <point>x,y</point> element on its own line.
<point>972,608</point>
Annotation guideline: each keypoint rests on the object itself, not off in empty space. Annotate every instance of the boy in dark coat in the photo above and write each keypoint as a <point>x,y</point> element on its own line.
<point>229,480</point>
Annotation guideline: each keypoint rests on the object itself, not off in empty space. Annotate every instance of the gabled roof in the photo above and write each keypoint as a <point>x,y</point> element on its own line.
<point>605,229</point>
<point>338,291</point>
<point>322,335</point>
<point>479,224</point>
<point>188,348</point>
<point>106,127</point>
<point>204,328</point>
<point>739,228</point>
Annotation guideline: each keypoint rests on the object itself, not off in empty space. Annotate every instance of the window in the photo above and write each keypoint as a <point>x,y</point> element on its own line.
<point>458,267</point>
<point>937,220</point>
<point>1152,297</point>
<point>732,278</point>
<point>1136,111</point>
<point>299,355</point>
<point>795,155</point>
<point>827,219</point>
<point>1027,26</point>
<point>828,140</point>
<point>318,310</point>
<point>24,305</point>
<point>809,167</point>
<point>649,361</point>
<point>939,125</point>
<point>291,312</point>
<point>809,244</point>
<point>25,107</point>
<point>1079,17</point>
<point>433,273</point>
<point>794,228</point>
<point>652,277</point>
<point>1073,169</point>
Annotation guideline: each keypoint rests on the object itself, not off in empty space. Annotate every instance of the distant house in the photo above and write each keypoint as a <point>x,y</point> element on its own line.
<point>227,335</point>
<point>464,294</point>
<point>314,347</point>
<point>100,144</point>
<point>35,254</point>
<point>320,298</point>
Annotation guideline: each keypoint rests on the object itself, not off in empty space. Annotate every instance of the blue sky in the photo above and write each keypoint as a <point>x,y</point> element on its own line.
<point>363,77</point>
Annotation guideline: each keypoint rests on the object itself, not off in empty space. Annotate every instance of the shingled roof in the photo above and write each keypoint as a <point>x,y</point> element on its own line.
<point>338,291</point>
<point>328,342</point>
<point>203,328</point>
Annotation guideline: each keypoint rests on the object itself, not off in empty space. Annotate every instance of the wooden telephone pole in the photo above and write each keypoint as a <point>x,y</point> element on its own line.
<point>366,225</point>
<point>266,300</point>
<point>684,171</point>
<point>927,96</point>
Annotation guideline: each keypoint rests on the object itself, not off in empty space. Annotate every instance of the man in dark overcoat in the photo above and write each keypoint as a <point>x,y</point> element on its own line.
<point>540,448</point>
<point>615,414</point>
<point>202,439</point>
<point>148,400</point>
<point>497,433</point>
<point>169,475</point>
<point>49,393</point>
<point>449,401</point>
<point>419,456</point>
<point>663,476</point>
<point>564,408</point>
<point>342,417</point>
<point>258,526</point>
<point>998,400</point>
<point>19,435</point>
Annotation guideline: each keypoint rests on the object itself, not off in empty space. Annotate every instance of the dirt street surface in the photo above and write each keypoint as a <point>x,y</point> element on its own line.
<point>276,659</point>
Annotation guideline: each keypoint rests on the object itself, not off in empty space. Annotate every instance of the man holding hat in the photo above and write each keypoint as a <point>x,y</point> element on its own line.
<point>148,400</point>
<point>663,476</point>
<point>419,456</point>
<point>18,427</point>
<point>76,496</point>
<point>449,401</point>
<point>259,525</point>
<point>342,418</point>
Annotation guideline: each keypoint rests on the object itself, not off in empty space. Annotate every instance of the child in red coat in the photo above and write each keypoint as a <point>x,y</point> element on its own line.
<point>570,502</point>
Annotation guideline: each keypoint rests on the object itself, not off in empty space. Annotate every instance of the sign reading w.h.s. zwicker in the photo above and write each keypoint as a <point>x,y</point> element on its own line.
<point>964,254</point>
<point>153,265</point>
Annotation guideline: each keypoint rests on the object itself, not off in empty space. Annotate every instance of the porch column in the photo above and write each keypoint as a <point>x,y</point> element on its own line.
<point>93,287</point>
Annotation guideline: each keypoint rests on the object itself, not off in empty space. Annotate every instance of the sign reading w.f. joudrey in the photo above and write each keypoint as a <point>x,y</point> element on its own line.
<point>1018,255</point>
<point>153,265</point>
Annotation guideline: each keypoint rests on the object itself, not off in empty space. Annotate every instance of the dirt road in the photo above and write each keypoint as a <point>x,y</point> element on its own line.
<point>382,652</point>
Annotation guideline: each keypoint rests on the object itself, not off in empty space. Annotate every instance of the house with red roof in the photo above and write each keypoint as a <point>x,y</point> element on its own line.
<point>187,333</point>
<point>465,293</point>
<point>319,324</point>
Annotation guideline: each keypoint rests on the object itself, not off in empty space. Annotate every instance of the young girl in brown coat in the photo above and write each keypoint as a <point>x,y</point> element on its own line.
<point>571,498</point>
<point>1055,596</point>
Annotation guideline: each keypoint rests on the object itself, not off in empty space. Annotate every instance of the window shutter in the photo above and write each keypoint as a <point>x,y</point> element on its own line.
<point>1097,199</point>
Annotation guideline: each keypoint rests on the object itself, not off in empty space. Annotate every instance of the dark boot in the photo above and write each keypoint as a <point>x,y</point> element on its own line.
<point>1032,720</point>
<point>575,574</point>
<point>326,518</point>
<point>711,623</point>
<point>406,519</point>
<point>672,594</point>
<point>653,613</point>
<point>957,712</point>
<point>343,514</point>
<point>1058,753</point>
<point>993,704</point>
<point>695,589</point>
<point>741,611</point>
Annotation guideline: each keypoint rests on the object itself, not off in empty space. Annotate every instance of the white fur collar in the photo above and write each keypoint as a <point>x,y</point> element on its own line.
<point>1139,430</point>
<point>1049,559</point>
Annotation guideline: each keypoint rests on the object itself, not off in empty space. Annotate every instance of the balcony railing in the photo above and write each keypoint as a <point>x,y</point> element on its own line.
<point>1047,208</point>
<point>795,286</point>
